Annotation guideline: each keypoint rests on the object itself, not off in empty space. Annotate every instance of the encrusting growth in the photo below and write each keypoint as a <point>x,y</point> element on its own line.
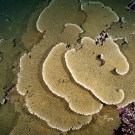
<point>87,70</point>
<point>58,80</point>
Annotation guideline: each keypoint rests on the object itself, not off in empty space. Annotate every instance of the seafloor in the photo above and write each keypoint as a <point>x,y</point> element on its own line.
<point>18,34</point>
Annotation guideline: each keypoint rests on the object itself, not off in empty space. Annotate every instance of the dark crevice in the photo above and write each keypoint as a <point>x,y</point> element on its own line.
<point>99,58</point>
<point>114,72</point>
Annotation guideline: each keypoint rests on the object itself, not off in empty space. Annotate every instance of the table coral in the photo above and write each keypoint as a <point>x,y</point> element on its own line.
<point>86,69</point>
<point>59,82</point>
<point>95,23</point>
